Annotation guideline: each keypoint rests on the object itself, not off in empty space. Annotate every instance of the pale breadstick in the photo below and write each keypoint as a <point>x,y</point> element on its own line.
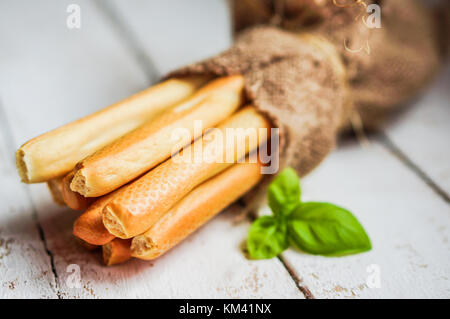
<point>144,201</point>
<point>89,226</point>
<point>55,153</point>
<point>71,198</point>
<point>196,209</point>
<point>116,251</point>
<point>55,188</point>
<point>137,152</point>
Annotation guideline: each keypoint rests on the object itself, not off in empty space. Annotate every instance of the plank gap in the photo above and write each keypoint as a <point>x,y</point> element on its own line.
<point>395,150</point>
<point>296,278</point>
<point>292,273</point>
<point>129,39</point>
<point>44,242</point>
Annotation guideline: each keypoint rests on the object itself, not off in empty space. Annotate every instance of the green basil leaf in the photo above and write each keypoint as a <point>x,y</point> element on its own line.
<point>267,238</point>
<point>326,229</point>
<point>284,192</point>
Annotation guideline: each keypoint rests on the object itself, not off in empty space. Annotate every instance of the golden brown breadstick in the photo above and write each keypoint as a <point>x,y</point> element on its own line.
<point>71,198</point>
<point>89,226</point>
<point>196,209</point>
<point>144,201</point>
<point>116,251</point>
<point>55,153</point>
<point>55,187</point>
<point>137,152</point>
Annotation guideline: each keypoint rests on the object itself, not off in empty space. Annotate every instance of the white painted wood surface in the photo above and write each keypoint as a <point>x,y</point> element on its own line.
<point>25,268</point>
<point>52,75</point>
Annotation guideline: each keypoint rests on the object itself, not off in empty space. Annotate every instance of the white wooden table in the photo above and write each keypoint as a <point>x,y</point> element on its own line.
<point>398,186</point>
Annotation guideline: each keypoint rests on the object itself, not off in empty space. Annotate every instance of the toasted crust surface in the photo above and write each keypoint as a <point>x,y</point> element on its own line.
<point>144,148</point>
<point>144,201</point>
<point>116,251</point>
<point>71,198</point>
<point>196,209</point>
<point>89,226</point>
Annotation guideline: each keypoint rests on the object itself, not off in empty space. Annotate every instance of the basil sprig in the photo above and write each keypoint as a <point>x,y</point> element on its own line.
<point>316,228</point>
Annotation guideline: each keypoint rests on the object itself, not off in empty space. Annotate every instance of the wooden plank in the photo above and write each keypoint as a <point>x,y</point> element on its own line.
<point>51,75</point>
<point>407,222</point>
<point>174,32</point>
<point>25,267</point>
<point>422,132</point>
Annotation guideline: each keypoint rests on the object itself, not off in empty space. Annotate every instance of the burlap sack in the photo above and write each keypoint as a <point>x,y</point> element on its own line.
<point>307,77</point>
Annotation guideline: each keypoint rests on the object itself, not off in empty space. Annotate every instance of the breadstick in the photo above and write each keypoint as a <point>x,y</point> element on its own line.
<point>71,198</point>
<point>144,201</point>
<point>144,148</point>
<point>116,251</point>
<point>55,188</point>
<point>55,153</point>
<point>194,210</point>
<point>89,226</point>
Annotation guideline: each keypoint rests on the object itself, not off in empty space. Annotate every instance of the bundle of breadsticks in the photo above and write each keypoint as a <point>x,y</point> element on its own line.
<point>125,167</point>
